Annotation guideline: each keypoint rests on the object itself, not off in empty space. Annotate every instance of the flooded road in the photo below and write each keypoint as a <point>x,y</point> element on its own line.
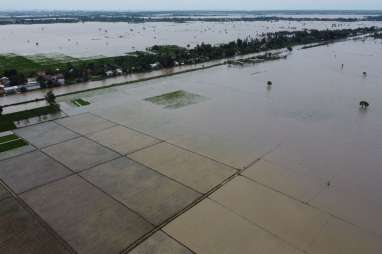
<point>40,93</point>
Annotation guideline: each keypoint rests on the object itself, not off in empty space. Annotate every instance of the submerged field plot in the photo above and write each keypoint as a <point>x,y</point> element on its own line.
<point>177,99</point>
<point>238,167</point>
<point>10,141</point>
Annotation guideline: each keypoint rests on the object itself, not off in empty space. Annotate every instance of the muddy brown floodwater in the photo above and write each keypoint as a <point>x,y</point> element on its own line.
<point>309,120</point>
<point>308,123</point>
<point>309,157</point>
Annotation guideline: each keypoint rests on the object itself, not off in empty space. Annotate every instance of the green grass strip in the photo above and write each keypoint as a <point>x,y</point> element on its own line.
<point>8,138</point>
<point>6,125</point>
<point>176,99</point>
<point>7,121</point>
<point>80,102</point>
<point>167,98</point>
<point>12,145</point>
<point>18,116</point>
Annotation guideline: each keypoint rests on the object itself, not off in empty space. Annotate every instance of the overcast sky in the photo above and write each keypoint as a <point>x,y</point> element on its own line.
<point>190,4</point>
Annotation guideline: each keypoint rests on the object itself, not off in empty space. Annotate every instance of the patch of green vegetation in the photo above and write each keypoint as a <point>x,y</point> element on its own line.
<point>12,145</point>
<point>80,102</point>
<point>30,65</point>
<point>167,49</point>
<point>6,125</point>
<point>49,59</point>
<point>7,120</point>
<point>12,61</point>
<point>8,138</point>
<point>175,99</point>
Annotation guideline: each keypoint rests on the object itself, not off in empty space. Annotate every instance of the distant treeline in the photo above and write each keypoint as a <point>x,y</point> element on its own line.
<point>158,57</point>
<point>139,19</point>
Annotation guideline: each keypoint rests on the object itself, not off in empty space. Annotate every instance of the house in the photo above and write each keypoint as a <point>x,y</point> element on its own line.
<point>155,66</point>
<point>32,84</point>
<point>5,81</point>
<point>109,73</point>
<point>10,90</point>
<point>58,79</point>
<point>118,71</point>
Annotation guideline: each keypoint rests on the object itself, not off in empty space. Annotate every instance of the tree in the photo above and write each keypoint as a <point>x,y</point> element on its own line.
<point>50,97</point>
<point>239,43</point>
<point>1,110</point>
<point>15,77</point>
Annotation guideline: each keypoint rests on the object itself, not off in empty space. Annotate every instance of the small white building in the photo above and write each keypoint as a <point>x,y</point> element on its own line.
<point>32,85</point>
<point>4,81</point>
<point>155,66</point>
<point>109,73</point>
<point>118,71</point>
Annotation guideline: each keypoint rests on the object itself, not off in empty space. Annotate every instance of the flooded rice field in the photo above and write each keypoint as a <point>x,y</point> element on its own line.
<point>307,129</point>
<point>40,93</point>
<point>279,154</point>
<point>113,39</point>
<point>309,120</point>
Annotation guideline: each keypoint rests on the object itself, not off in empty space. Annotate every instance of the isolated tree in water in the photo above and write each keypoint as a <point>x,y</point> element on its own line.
<point>50,98</point>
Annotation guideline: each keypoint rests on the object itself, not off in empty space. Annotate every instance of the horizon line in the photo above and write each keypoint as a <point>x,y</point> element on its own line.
<point>194,10</point>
